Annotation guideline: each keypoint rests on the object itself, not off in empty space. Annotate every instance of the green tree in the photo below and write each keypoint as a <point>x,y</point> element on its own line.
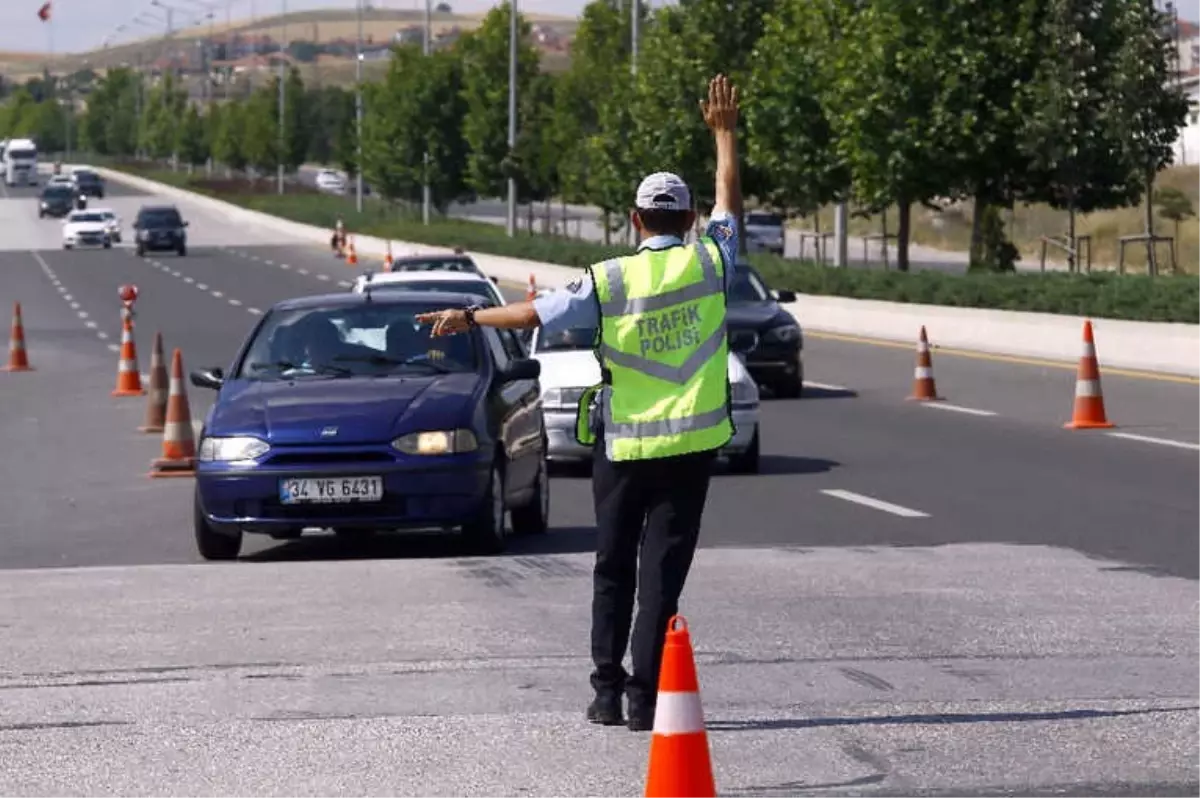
<point>161,117</point>
<point>330,107</point>
<point>1174,206</point>
<point>19,107</point>
<point>104,103</point>
<point>192,145</point>
<point>789,134</point>
<point>613,168</point>
<point>485,88</point>
<point>444,109</point>
<point>536,157</point>
<point>393,131</point>
<point>260,142</point>
<point>297,125</point>
<point>229,145</point>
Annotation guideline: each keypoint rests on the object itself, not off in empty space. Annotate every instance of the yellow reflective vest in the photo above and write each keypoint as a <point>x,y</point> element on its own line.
<point>663,353</point>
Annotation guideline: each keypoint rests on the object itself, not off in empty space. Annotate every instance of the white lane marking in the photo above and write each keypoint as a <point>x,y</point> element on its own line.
<point>235,302</point>
<point>253,257</point>
<point>188,280</point>
<point>323,277</point>
<point>114,348</point>
<point>67,296</point>
<point>176,274</point>
<point>254,311</point>
<point>345,284</point>
<point>820,386</point>
<point>971,411</point>
<point>91,325</point>
<point>1129,436</point>
<point>268,261</point>
<point>82,314</point>
<point>284,266</point>
<point>74,305</point>
<point>877,504</point>
<point>217,294</point>
<point>103,336</point>
<point>304,271</point>
<point>202,286</point>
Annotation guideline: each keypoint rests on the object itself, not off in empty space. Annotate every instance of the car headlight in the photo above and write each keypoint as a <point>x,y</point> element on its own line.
<point>744,392</point>
<point>784,334</point>
<point>231,450</point>
<point>45,205</point>
<point>562,398</point>
<point>452,441</point>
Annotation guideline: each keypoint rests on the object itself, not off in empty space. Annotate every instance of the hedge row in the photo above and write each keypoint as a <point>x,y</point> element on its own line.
<point>1099,295</point>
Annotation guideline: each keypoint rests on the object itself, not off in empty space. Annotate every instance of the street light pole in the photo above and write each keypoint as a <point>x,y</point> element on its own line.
<point>512,115</point>
<point>426,48</point>
<point>282,94</point>
<point>634,25</point>
<point>358,108</point>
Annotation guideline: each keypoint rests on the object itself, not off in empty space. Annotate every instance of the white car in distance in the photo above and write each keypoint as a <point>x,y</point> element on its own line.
<point>86,229</point>
<point>112,222</point>
<point>330,181</point>
<point>446,282</point>
<point>569,367</point>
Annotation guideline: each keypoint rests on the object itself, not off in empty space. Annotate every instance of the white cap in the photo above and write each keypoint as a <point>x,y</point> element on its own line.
<point>664,191</point>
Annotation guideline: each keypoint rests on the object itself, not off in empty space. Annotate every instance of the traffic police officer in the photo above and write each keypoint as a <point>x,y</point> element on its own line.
<point>661,413</point>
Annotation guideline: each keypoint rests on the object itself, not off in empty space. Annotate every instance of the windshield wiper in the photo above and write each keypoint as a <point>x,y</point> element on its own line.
<point>384,360</point>
<point>318,368</point>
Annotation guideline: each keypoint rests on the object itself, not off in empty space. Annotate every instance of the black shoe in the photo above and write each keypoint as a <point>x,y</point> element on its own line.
<point>605,711</point>
<point>641,717</point>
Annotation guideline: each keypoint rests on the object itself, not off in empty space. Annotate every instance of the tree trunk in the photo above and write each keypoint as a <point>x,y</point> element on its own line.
<point>903,231</point>
<point>976,250</point>
<point>1071,260</point>
<point>607,229</point>
<point>1151,261</point>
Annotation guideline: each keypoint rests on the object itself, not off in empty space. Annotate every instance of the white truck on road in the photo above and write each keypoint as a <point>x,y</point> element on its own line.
<point>20,163</point>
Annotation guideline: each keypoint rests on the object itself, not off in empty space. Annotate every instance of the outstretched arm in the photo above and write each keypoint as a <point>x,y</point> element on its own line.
<point>721,115</point>
<point>517,316</point>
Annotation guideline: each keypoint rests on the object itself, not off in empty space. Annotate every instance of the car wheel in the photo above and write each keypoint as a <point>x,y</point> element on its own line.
<point>182,250</point>
<point>485,532</point>
<point>790,386</point>
<point>41,215</point>
<point>211,544</point>
<point>746,462</point>
<point>141,251</point>
<point>534,518</point>
<point>108,244</point>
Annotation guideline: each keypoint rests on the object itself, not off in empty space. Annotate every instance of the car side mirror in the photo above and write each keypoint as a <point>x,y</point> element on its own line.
<point>208,378</point>
<point>785,296</point>
<point>185,224</point>
<point>742,341</point>
<point>493,278</point>
<point>523,369</point>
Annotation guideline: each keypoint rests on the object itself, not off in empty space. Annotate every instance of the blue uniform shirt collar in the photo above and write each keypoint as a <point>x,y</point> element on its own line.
<point>660,242</point>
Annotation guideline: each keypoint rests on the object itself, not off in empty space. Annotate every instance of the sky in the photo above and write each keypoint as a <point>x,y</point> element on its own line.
<point>79,25</point>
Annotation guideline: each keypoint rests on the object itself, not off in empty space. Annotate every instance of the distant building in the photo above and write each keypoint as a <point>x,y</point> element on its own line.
<point>1187,146</point>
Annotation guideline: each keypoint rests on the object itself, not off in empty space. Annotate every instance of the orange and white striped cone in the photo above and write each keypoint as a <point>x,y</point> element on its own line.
<point>18,358</point>
<point>680,764</point>
<point>531,291</point>
<point>1089,398</point>
<point>156,405</point>
<point>178,444</point>
<point>352,256</point>
<point>129,378</point>
<point>387,259</point>
<point>924,389</point>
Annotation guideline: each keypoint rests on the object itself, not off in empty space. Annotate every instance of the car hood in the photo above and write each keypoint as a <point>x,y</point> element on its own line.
<point>360,409</point>
<point>579,369</point>
<point>756,315</point>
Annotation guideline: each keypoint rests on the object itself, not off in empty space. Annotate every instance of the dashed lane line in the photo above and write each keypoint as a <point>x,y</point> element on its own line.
<point>876,504</point>
<point>970,411</point>
<point>70,299</point>
<point>1129,436</point>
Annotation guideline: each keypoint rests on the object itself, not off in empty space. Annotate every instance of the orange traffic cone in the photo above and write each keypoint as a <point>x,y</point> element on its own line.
<point>129,379</point>
<point>387,259</point>
<point>1089,399</point>
<point>679,758</point>
<point>18,360</point>
<point>531,292</point>
<point>352,256</point>
<point>156,406</point>
<point>924,389</point>
<point>178,445</point>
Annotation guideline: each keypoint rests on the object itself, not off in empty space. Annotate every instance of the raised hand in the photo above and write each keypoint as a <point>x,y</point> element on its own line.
<point>720,110</point>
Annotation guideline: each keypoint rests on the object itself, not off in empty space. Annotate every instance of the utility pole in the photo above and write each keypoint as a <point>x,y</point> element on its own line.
<point>512,115</point>
<point>358,107</point>
<point>634,25</point>
<point>282,94</point>
<point>426,48</point>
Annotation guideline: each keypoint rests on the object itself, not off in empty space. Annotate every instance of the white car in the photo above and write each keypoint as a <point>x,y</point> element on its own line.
<point>112,222</point>
<point>765,232</point>
<point>569,367</point>
<point>331,181</point>
<point>61,180</point>
<point>449,282</point>
<point>86,229</point>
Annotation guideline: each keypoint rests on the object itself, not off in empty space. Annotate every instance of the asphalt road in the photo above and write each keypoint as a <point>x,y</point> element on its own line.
<point>961,598</point>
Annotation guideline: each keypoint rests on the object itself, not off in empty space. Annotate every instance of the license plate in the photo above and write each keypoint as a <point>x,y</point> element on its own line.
<point>333,490</point>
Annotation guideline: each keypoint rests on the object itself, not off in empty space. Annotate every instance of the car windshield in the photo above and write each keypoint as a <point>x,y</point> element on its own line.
<point>439,265</point>
<point>474,288</point>
<point>568,340</point>
<point>20,155</point>
<point>367,340</point>
<point>764,220</point>
<point>87,217</point>
<point>87,177</point>
<point>747,287</point>
<point>57,191</point>
<point>160,219</point>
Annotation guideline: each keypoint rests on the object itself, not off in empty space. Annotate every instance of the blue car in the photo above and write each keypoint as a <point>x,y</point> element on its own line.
<point>341,412</point>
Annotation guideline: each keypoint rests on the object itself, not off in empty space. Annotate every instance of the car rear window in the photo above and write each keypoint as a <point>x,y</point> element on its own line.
<point>57,191</point>
<point>87,217</point>
<point>764,219</point>
<point>479,289</point>
<point>568,340</point>
<point>368,340</point>
<point>436,265</point>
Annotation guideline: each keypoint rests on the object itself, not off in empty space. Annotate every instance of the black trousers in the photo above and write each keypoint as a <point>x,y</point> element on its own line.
<point>652,508</point>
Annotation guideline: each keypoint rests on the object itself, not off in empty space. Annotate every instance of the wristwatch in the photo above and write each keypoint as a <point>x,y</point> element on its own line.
<point>469,314</point>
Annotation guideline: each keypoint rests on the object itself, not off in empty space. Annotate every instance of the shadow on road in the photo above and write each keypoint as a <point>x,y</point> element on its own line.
<point>415,546</point>
<point>828,393</point>
<point>775,464</point>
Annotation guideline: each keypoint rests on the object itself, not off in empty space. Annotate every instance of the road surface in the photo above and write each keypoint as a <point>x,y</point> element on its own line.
<point>961,598</point>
